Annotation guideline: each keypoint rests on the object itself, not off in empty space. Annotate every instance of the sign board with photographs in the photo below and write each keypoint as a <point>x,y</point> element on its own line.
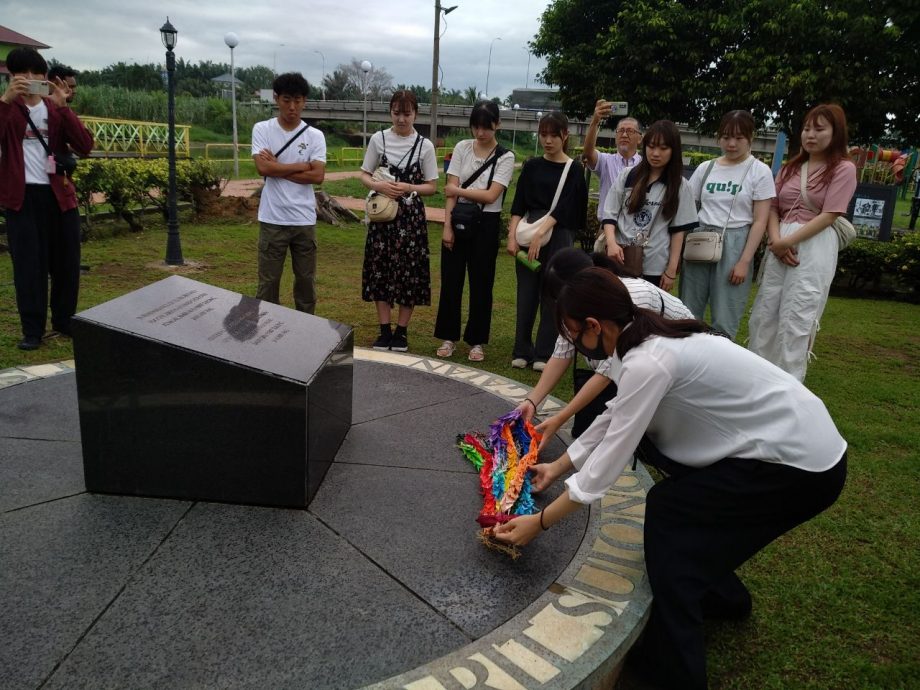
<point>872,210</point>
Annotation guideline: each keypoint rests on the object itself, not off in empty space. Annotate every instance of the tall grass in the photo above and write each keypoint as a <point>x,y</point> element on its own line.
<point>150,106</point>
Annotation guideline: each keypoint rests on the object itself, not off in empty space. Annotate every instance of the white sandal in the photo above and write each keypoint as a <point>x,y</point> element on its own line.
<point>476,354</point>
<point>446,349</point>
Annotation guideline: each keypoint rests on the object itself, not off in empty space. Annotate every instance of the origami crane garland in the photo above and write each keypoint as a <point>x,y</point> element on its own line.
<point>503,459</point>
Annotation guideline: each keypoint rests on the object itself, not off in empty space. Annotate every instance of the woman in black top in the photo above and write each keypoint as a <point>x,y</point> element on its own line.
<point>533,196</point>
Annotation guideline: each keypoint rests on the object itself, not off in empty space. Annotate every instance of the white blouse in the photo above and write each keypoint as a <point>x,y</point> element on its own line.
<point>702,399</point>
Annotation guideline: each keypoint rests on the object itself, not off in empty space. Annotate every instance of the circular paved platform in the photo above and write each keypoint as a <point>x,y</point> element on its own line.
<point>380,583</point>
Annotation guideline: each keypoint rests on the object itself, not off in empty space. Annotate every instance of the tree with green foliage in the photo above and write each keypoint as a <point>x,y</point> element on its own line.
<point>338,87</point>
<point>422,93</point>
<point>134,77</point>
<point>693,61</point>
<point>348,81</point>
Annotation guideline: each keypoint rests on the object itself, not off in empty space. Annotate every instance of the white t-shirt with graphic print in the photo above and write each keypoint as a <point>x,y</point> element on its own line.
<point>284,202</point>
<point>649,219</point>
<point>724,183</point>
<point>34,155</point>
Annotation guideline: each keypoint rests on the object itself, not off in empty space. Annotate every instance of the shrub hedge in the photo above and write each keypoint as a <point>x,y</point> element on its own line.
<point>130,184</point>
<point>864,264</point>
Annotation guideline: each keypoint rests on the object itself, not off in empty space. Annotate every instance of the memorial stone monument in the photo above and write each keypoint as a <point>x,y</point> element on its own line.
<point>190,391</point>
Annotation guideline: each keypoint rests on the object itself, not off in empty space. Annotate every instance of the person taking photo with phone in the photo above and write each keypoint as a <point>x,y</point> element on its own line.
<point>37,133</point>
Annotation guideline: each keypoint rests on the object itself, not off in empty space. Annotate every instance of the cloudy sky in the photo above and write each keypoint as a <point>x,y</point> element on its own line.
<point>398,36</point>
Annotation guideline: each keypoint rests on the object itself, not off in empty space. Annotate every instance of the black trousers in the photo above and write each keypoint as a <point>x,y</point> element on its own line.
<point>530,299</point>
<point>702,524</point>
<point>475,256</point>
<point>44,241</point>
<point>585,417</point>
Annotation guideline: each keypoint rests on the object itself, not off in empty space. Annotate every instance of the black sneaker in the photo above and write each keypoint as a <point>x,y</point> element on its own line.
<point>383,341</point>
<point>399,342</point>
<point>29,343</point>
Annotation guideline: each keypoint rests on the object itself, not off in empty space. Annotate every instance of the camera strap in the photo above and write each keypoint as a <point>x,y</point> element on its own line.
<point>44,143</point>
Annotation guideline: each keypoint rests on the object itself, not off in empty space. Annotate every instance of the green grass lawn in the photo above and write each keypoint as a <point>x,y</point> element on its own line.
<point>836,601</point>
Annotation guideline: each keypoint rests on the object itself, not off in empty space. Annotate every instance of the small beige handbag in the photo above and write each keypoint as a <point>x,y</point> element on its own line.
<point>380,208</point>
<point>706,246</point>
<point>526,230</point>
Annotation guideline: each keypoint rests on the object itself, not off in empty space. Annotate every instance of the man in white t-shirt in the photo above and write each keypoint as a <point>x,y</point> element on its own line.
<point>608,166</point>
<point>291,156</point>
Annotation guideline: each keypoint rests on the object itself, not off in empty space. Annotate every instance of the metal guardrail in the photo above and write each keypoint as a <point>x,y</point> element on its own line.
<point>114,137</point>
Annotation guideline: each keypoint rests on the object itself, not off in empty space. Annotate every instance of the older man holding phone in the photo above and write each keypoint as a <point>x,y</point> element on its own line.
<point>608,165</point>
<point>37,132</point>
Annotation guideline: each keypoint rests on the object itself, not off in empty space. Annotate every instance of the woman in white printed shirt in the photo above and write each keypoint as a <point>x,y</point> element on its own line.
<point>734,190</point>
<point>651,206</point>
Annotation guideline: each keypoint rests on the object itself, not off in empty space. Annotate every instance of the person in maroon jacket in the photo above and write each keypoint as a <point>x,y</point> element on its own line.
<point>42,221</point>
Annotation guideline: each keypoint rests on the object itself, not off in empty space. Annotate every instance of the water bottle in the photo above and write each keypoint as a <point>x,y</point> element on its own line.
<point>521,256</point>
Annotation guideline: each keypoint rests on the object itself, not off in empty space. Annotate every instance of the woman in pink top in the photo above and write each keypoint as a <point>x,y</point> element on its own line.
<point>803,247</point>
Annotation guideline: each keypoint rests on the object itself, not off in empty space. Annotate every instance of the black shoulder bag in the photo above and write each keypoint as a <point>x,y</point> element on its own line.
<point>64,163</point>
<point>466,217</point>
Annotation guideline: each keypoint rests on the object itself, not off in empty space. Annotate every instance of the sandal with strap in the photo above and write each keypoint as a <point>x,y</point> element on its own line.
<point>476,354</point>
<point>446,349</point>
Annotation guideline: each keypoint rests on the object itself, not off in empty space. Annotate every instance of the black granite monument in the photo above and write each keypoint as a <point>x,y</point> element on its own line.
<point>193,392</point>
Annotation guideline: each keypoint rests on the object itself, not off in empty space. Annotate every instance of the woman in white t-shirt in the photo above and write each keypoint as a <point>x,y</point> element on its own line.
<point>472,248</point>
<point>748,451</point>
<point>650,206</point>
<point>734,191</point>
<point>396,267</point>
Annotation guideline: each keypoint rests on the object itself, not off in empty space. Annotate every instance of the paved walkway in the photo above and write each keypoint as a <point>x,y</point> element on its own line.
<point>380,583</point>
<point>248,187</point>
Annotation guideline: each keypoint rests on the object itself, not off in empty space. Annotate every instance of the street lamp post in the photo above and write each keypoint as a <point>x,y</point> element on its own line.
<point>275,60</point>
<point>173,245</point>
<point>514,132</point>
<point>536,136</point>
<point>322,80</point>
<point>489,68</point>
<point>232,41</point>
<point>435,63</point>
<point>366,67</point>
<point>527,77</point>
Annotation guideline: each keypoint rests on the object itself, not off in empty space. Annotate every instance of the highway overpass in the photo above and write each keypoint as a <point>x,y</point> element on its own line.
<point>458,116</point>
